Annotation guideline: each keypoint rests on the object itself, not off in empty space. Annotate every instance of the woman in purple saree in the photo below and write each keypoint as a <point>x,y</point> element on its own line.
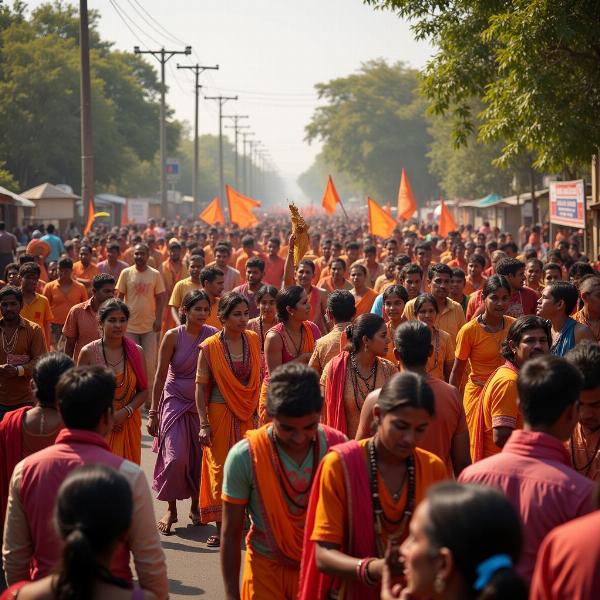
<point>173,418</point>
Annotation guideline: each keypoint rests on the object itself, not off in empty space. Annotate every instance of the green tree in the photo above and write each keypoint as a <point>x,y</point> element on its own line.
<point>533,62</point>
<point>6,179</point>
<point>373,124</point>
<point>39,102</point>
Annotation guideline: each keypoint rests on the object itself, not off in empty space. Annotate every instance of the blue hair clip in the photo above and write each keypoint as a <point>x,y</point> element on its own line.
<point>487,568</point>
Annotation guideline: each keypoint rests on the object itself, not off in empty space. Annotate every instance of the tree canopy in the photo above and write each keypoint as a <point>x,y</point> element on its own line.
<point>39,101</point>
<point>533,62</point>
<point>372,125</point>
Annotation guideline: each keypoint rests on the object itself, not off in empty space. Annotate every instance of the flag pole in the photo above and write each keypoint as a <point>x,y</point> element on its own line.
<point>344,210</point>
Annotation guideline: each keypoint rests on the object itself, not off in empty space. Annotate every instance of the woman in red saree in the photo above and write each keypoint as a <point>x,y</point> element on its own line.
<point>292,339</point>
<point>358,370</point>
<point>227,389</point>
<point>125,359</point>
<point>365,493</point>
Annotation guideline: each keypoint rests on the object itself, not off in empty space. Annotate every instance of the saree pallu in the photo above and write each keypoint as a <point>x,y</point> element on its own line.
<point>229,421</point>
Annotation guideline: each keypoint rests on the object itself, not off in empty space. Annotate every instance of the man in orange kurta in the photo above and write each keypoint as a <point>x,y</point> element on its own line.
<point>584,444</point>
<point>258,475</point>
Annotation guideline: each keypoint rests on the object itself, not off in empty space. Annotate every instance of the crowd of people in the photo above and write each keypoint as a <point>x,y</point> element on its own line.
<point>415,417</point>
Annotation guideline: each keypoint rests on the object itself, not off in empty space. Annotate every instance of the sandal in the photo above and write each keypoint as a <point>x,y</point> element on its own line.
<point>214,541</point>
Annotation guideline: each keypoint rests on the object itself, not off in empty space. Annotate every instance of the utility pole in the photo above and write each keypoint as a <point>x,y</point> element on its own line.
<point>236,128</point>
<point>197,70</point>
<point>221,100</point>
<point>246,187</point>
<point>87,150</point>
<point>251,174</point>
<point>163,56</point>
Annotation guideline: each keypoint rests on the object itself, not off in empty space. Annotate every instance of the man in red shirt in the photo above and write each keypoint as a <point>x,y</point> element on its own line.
<point>534,468</point>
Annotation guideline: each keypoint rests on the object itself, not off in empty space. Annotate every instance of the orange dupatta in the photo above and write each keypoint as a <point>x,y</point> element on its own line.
<point>286,528</point>
<point>365,304</point>
<point>241,399</point>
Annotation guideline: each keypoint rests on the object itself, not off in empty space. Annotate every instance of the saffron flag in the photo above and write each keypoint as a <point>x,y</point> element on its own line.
<point>407,204</point>
<point>330,197</point>
<point>240,208</point>
<point>213,213</point>
<point>380,222</point>
<point>244,199</point>
<point>447,222</point>
<point>91,217</point>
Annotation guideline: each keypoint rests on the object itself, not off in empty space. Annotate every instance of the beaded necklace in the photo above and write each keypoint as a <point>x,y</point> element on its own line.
<point>378,512</point>
<point>586,468</point>
<point>290,491</point>
<point>355,375</point>
<point>244,370</point>
<point>297,349</point>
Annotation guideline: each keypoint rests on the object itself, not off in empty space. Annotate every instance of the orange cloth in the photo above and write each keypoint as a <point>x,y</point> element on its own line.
<point>580,317</point>
<point>381,223</point>
<point>266,579</point>
<point>38,311</point>
<point>128,441</point>
<point>390,353</point>
<point>209,254</point>
<point>274,271</point>
<point>229,422</point>
<point>382,283</point>
<point>448,422</point>
<point>482,351</point>
<point>407,205</point>
<point>326,283</point>
<point>365,304</point>
<point>171,274</point>
<point>213,318</point>
<point>447,222</point>
<point>581,448</point>
<point>61,303</point>
<point>240,208</point>
<point>87,273</point>
<point>331,518</point>
<point>499,409</point>
<point>213,213</point>
<point>240,263</point>
<point>330,197</point>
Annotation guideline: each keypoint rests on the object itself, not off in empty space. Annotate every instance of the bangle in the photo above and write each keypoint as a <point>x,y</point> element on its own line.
<point>362,572</point>
<point>369,580</point>
<point>129,410</point>
<point>152,413</point>
<point>207,426</point>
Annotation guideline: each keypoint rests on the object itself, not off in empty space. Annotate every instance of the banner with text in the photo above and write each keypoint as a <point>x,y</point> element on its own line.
<point>567,203</point>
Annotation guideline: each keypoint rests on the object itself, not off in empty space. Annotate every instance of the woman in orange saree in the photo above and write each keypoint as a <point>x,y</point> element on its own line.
<point>227,389</point>
<point>292,339</point>
<point>124,357</point>
<point>365,493</point>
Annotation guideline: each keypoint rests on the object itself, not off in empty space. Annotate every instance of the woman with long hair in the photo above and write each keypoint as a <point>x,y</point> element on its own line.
<point>441,360</point>
<point>266,298</point>
<point>173,417</point>
<point>227,390</point>
<point>395,298</point>
<point>93,512</point>
<point>465,540</point>
<point>358,370</point>
<point>365,494</point>
<point>479,344</point>
<point>293,338</point>
<point>125,359</point>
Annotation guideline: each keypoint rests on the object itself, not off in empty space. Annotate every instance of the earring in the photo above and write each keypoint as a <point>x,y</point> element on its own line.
<point>439,584</point>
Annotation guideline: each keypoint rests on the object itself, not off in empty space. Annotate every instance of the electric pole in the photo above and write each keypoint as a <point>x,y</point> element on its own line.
<point>246,187</point>
<point>197,70</point>
<point>163,56</point>
<point>236,128</point>
<point>87,150</point>
<point>221,100</point>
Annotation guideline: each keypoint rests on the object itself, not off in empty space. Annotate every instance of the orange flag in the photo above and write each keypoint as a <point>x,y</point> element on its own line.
<point>213,213</point>
<point>380,223</point>
<point>240,208</point>
<point>447,222</point>
<point>91,217</point>
<point>407,204</point>
<point>245,199</point>
<point>330,197</point>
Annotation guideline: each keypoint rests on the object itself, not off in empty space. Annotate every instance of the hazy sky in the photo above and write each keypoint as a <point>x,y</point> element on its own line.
<point>271,54</point>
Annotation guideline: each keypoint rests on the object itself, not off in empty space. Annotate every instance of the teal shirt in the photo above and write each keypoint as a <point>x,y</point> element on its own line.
<point>238,483</point>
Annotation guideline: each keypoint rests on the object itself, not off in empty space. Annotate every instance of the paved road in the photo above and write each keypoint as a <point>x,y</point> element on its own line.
<point>194,570</point>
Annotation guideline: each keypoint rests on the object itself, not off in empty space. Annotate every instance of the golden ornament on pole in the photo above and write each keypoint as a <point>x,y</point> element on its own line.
<point>300,231</point>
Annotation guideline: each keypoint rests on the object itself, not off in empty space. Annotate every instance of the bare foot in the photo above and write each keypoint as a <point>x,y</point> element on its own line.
<point>164,525</point>
<point>195,516</point>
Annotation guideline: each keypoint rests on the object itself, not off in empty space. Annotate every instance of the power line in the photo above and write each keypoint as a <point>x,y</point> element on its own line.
<point>167,33</point>
<point>125,18</point>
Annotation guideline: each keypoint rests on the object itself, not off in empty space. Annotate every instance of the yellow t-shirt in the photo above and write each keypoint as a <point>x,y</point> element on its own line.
<point>39,312</point>
<point>181,289</point>
<point>140,289</point>
<point>450,320</point>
